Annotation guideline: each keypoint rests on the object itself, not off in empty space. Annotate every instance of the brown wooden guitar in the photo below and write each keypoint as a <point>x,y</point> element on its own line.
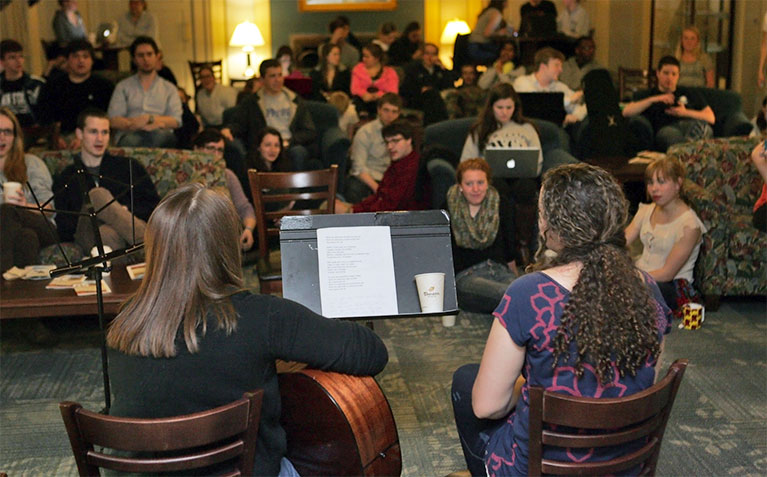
<point>338,424</point>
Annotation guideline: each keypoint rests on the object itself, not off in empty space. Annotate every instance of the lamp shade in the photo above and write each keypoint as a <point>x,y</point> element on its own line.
<point>247,35</point>
<point>454,28</point>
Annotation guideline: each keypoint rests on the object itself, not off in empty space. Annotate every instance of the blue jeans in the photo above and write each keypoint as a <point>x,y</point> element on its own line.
<point>287,469</point>
<point>480,287</point>
<point>156,138</point>
<point>681,131</point>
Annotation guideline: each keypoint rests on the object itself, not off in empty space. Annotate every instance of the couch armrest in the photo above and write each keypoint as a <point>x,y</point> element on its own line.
<point>711,266</point>
<point>737,125</point>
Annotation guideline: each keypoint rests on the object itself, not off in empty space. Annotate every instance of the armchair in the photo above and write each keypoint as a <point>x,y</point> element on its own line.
<point>722,186</point>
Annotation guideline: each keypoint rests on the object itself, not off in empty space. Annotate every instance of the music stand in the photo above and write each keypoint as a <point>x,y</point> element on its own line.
<point>420,243</point>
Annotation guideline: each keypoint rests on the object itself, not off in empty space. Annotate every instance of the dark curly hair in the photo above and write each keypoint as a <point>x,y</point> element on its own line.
<point>610,314</point>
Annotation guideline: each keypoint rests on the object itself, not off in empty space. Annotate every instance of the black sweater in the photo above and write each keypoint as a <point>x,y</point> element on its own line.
<point>225,367</point>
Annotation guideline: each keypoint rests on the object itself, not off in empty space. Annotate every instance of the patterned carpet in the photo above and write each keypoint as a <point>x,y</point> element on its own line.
<point>718,425</point>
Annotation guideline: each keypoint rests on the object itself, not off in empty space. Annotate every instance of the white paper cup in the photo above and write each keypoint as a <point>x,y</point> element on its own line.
<point>10,189</point>
<point>448,320</point>
<point>431,294</point>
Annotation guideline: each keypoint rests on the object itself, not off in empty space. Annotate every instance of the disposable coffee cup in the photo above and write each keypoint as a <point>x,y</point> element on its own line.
<point>431,295</point>
<point>448,320</point>
<point>693,315</point>
<point>10,189</point>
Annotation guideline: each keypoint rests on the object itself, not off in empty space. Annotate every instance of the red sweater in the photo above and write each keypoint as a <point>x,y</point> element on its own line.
<point>397,188</point>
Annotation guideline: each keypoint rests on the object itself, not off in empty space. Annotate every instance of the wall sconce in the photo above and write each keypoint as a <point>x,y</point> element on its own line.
<point>453,28</point>
<point>247,35</point>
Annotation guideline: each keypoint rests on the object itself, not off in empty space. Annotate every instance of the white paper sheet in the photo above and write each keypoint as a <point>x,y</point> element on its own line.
<point>356,268</point>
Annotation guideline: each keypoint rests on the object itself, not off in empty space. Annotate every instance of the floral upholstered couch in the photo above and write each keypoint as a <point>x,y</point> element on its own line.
<point>168,169</point>
<point>722,186</point>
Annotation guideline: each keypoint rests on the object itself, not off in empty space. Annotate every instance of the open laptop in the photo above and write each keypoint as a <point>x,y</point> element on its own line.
<point>546,106</point>
<point>519,162</point>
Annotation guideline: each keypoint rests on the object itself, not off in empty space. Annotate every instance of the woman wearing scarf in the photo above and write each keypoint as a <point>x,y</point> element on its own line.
<point>484,245</point>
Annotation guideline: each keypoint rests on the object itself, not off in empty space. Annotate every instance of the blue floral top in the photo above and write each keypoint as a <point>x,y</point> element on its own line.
<point>531,311</point>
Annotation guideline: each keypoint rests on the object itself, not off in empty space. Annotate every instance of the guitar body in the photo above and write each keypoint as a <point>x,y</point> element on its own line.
<point>338,424</point>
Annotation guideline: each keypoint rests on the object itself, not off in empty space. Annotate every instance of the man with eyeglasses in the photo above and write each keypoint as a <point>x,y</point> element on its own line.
<point>212,99</point>
<point>108,178</point>
<point>212,141</point>
<point>405,184</point>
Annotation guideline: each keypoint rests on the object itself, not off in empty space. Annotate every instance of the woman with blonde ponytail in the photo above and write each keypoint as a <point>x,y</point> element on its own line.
<point>585,321</point>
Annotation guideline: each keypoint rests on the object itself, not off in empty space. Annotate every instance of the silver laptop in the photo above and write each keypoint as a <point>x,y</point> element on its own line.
<point>508,162</point>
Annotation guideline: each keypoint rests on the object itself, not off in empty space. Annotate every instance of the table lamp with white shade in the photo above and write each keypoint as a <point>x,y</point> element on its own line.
<point>453,28</point>
<point>248,36</point>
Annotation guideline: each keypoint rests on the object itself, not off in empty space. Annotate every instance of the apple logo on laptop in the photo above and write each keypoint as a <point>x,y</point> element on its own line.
<point>511,164</point>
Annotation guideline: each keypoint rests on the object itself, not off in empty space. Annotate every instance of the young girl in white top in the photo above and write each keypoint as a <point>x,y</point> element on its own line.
<point>670,232</point>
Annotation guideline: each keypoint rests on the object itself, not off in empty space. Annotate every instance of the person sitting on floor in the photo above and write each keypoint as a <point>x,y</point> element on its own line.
<point>585,322</point>
<point>107,184</point>
<point>676,113</point>
<point>670,232</point>
<point>145,108</point>
<point>484,242</point>
<point>195,339</point>
<point>405,184</point>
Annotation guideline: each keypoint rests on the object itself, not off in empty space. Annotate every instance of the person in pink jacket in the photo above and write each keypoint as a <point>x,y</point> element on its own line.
<point>371,79</point>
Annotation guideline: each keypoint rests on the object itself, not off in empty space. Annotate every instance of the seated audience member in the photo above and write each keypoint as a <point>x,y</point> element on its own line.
<point>371,79</point>
<point>405,184</point>
<point>423,82</point>
<point>490,26</point>
<point>592,300</point>
<point>676,113</point>
<point>577,66</point>
<point>467,100</point>
<point>22,232</point>
<point>759,158</point>
<point>195,339</point>
<point>538,18</point>
<point>108,178</point>
<point>68,24</point>
<point>386,35</point>
<point>251,86</point>
<point>55,62</point>
<point>545,79</point>
<point>191,124</point>
<point>573,21</point>
<point>330,74</point>
<point>288,62</point>
<point>347,113</point>
<point>19,91</point>
<point>369,155</point>
<point>210,140</point>
<point>269,155</point>
<point>339,31</point>
<point>350,37</point>
<point>407,47</point>
<point>695,66</point>
<point>670,233</point>
<point>136,22</point>
<point>163,71</point>
<point>69,94</point>
<point>276,106</point>
<point>503,70</point>
<point>145,109</point>
<point>212,99</point>
<point>484,244</point>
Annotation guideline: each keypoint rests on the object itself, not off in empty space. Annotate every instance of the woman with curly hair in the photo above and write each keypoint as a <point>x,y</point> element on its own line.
<point>584,322</point>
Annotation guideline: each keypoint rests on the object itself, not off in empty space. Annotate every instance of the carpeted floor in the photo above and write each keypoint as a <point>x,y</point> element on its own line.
<point>718,425</point>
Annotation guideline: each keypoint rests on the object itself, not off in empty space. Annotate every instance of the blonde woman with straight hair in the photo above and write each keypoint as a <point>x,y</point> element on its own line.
<point>192,339</point>
<point>696,67</point>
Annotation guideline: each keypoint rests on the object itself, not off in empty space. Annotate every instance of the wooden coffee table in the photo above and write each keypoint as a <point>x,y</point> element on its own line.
<point>30,299</point>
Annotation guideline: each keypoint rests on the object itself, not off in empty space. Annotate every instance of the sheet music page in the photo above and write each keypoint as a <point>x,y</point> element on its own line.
<point>356,268</point>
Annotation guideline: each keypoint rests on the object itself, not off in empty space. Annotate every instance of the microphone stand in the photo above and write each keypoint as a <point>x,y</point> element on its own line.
<point>93,266</point>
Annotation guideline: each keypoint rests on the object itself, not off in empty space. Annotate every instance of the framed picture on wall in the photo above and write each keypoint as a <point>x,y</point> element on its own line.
<point>345,5</point>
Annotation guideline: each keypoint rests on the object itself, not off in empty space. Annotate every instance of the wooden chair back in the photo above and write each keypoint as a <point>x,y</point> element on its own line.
<point>307,189</point>
<point>216,66</point>
<point>193,441</point>
<point>632,80</point>
<point>617,420</point>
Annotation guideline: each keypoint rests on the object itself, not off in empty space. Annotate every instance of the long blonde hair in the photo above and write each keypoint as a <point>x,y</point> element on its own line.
<point>192,268</point>
<point>14,168</point>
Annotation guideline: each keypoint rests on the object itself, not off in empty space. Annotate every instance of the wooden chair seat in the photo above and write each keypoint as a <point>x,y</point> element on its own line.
<point>560,420</point>
<point>308,190</point>
<point>181,443</point>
